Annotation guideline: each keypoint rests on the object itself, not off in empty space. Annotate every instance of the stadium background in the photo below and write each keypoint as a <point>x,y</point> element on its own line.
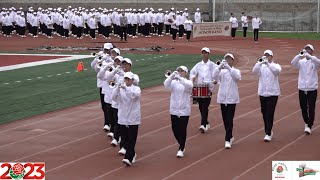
<point>277,15</point>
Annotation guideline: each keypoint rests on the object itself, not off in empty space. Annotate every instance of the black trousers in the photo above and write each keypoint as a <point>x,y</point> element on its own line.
<point>245,31</point>
<point>181,30</point>
<point>160,28</point>
<point>174,34</point>
<point>167,28</point>
<point>134,30</point>
<point>123,33</point>
<point>114,123</point>
<point>93,33</point>
<point>66,32</point>
<point>227,111</point>
<point>129,134</point>
<point>255,34</point>
<point>179,128</point>
<point>105,107</point>
<point>188,34</point>
<point>204,109</point>
<point>308,104</point>
<point>268,106</point>
<point>233,32</point>
<point>79,32</point>
<point>147,29</point>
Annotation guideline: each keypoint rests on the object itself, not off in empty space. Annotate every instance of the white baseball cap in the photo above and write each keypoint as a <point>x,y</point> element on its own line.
<point>129,75</point>
<point>205,49</point>
<point>228,54</point>
<point>107,46</point>
<point>268,52</point>
<point>120,58</point>
<point>310,46</point>
<point>127,60</point>
<point>116,50</point>
<point>184,68</point>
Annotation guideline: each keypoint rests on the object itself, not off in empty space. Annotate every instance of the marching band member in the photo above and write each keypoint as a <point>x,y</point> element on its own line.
<point>129,115</point>
<point>188,27</point>
<point>234,25</point>
<point>197,16</point>
<point>308,66</point>
<point>244,20</point>
<point>105,53</point>
<point>92,25</point>
<point>228,94</point>
<point>268,90</point>
<point>180,108</point>
<point>201,73</point>
<point>123,26</point>
<point>66,26</point>
<point>109,74</point>
<point>174,28</point>
<point>49,25</point>
<point>256,22</point>
<point>167,23</point>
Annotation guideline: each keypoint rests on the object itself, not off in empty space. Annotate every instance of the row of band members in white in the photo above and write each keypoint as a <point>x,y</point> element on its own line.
<point>63,20</point>
<point>205,71</point>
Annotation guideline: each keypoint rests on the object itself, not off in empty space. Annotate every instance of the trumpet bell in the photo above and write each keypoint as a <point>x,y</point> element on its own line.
<point>259,59</point>
<point>218,62</point>
<point>112,85</point>
<point>168,74</point>
<point>302,53</point>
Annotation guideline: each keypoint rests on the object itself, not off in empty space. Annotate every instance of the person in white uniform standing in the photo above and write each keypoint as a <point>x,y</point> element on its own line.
<point>228,94</point>
<point>268,90</point>
<point>180,108</point>
<point>129,115</point>
<point>308,66</point>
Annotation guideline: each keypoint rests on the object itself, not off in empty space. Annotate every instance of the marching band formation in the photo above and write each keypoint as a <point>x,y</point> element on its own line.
<point>120,94</point>
<point>81,21</point>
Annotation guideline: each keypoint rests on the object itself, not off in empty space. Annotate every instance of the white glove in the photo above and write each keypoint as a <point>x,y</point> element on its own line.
<point>173,74</point>
<point>308,56</point>
<point>222,64</point>
<point>226,66</point>
<point>177,76</point>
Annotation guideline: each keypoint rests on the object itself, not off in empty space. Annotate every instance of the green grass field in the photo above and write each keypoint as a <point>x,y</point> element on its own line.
<point>285,35</point>
<point>36,93</point>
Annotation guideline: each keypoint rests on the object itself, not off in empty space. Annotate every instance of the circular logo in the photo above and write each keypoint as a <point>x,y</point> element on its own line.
<point>226,28</point>
<point>18,168</point>
<point>280,169</point>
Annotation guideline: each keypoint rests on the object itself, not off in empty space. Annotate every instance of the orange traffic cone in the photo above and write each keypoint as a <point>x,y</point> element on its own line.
<point>80,66</point>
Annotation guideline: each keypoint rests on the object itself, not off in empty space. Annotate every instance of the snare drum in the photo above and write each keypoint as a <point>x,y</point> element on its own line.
<point>201,91</point>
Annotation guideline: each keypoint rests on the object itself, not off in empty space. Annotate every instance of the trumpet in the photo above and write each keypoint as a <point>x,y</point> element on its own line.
<point>168,73</point>
<point>302,53</point>
<point>262,59</point>
<point>112,85</point>
<point>223,61</point>
<point>99,63</point>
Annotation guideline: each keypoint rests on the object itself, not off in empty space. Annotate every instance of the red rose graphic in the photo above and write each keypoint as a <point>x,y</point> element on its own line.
<point>279,169</point>
<point>18,168</point>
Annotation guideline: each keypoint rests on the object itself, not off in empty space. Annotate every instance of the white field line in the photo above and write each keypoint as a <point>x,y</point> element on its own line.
<point>31,64</point>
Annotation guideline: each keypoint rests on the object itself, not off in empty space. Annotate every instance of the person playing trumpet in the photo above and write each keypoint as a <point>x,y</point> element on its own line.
<point>128,97</point>
<point>95,65</point>
<point>201,73</point>
<point>268,90</point>
<point>228,94</point>
<point>180,108</point>
<point>112,80</point>
<point>308,66</point>
<point>117,76</point>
